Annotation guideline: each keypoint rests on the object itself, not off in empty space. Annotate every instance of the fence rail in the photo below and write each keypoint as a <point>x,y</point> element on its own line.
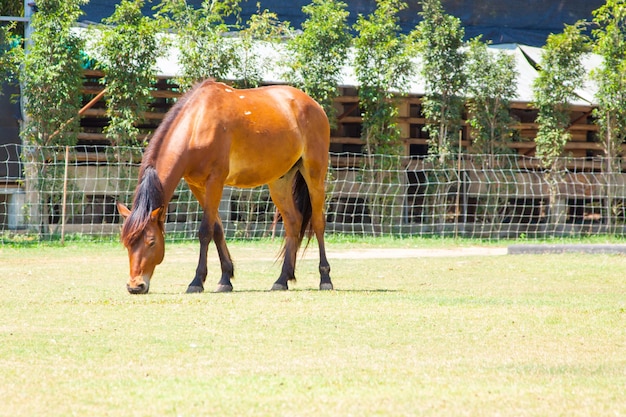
<point>483,196</point>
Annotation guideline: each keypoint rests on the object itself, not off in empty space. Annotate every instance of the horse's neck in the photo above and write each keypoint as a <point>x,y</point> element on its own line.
<point>168,156</point>
<point>170,178</point>
<point>169,171</point>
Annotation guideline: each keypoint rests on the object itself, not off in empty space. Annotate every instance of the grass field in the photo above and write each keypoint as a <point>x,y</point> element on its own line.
<point>505,335</point>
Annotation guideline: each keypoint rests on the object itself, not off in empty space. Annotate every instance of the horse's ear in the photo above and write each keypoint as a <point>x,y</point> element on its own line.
<point>158,214</point>
<point>123,210</point>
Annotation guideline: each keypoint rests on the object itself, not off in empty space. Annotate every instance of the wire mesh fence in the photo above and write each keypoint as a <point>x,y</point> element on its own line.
<point>45,192</point>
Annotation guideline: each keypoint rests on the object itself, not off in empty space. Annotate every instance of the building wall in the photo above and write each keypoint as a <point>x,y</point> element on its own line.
<point>9,132</point>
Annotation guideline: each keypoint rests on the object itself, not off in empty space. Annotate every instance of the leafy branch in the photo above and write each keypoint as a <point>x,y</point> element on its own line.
<point>561,73</point>
<point>439,40</point>
<point>383,66</point>
<point>52,74</point>
<point>127,50</point>
<point>491,85</point>
<point>317,55</point>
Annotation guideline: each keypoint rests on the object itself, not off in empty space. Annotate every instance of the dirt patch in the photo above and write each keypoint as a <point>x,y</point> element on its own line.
<point>396,253</point>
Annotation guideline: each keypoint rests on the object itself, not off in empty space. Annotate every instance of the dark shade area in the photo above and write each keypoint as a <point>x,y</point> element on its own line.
<point>524,22</point>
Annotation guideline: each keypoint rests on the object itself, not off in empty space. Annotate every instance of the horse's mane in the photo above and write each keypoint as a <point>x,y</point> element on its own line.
<point>160,133</point>
<point>149,192</point>
<point>148,197</point>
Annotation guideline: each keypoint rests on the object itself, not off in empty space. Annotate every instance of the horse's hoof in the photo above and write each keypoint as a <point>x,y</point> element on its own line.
<point>326,286</point>
<point>194,289</point>
<point>279,287</point>
<point>224,288</point>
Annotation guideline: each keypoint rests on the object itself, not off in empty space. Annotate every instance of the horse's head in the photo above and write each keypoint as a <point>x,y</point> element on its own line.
<point>145,243</point>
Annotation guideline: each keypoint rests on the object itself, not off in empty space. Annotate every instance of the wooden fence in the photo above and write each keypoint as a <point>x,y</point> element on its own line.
<point>347,136</point>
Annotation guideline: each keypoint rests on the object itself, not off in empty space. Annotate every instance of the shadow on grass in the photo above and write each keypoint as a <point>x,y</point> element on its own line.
<point>249,291</point>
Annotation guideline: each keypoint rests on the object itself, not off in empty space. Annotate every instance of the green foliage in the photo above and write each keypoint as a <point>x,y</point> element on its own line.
<point>127,52</point>
<point>10,29</point>
<point>382,65</point>
<point>249,65</point>
<point>11,54</point>
<point>317,54</point>
<point>12,8</point>
<point>561,73</point>
<point>610,43</point>
<point>491,84</point>
<point>52,74</point>
<point>439,40</point>
<point>204,51</point>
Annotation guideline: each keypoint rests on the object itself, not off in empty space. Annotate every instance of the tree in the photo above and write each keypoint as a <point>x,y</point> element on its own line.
<point>382,65</point>
<point>204,51</point>
<point>439,39</point>
<point>561,72</point>
<point>554,88</point>
<point>491,85</point>
<point>52,74</point>
<point>610,43</point>
<point>262,28</point>
<point>127,52</point>
<point>317,55</point>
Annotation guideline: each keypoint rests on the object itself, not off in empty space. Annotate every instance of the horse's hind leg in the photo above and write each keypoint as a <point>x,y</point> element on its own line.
<point>324,266</point>
<point>314,175</point>
<point>318,223</point>
<point>281,193</point>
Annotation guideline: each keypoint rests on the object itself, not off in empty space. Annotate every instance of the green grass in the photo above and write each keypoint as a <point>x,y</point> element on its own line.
<point>528,335</point>
<point>29,241</point>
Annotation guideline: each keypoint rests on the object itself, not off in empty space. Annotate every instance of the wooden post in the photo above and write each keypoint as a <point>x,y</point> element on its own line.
<point>80,113</point>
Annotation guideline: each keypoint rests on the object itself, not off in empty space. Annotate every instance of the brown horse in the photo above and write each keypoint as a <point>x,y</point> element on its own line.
<point>216,135</point>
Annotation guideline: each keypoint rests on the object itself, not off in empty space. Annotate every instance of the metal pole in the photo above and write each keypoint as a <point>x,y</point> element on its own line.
<point>28,31</point>
<point>31,169</point>
<point>64,204</point>
<point>458,188</point>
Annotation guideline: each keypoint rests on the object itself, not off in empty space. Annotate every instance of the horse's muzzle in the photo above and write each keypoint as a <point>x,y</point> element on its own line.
<point>138,286</point>
<point>140,289</point>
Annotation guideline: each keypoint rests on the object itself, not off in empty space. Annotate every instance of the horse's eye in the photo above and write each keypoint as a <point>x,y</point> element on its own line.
<point>151,243</point>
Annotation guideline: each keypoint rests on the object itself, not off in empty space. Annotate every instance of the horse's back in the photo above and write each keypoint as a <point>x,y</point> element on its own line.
<point>281,103</point>
<point>267,130</point>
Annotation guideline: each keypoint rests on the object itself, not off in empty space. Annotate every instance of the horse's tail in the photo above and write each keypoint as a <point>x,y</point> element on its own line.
<point>303,203</point>
<point>302,200</point>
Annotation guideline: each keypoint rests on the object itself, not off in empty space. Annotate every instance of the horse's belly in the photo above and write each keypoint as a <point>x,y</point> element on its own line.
<point>247,179</point>
<point>261,166</point>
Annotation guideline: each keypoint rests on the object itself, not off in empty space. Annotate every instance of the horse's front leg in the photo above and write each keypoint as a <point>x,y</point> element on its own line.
<point>226,261</point>
<point>204,235</point>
